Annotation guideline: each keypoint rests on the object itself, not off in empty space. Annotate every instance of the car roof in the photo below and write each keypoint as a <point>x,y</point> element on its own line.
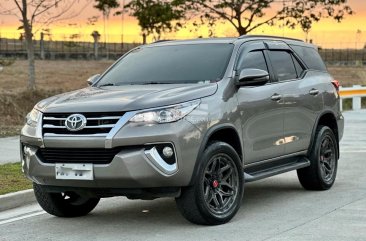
<point>240,39</point>
<point>195,41</point>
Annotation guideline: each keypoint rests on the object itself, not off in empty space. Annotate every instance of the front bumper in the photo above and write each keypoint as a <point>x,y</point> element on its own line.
<point>133,167</point>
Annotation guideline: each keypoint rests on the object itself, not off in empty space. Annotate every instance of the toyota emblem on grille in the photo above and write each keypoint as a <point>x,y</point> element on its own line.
<point>75,122</point>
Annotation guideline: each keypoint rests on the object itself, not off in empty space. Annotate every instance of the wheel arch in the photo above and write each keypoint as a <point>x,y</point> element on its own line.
<point>223,132</point>
<point>326,118</point>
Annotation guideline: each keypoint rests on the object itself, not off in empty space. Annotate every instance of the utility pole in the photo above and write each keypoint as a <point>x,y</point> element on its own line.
<point>283,23</point>
<point>122,23</point>
<point>358,37</point>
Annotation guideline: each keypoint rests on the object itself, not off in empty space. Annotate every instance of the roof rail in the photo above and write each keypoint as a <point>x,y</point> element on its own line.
<point>268,36</point>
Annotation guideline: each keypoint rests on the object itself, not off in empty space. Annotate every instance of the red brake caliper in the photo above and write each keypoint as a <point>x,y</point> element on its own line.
<point>215,184</point>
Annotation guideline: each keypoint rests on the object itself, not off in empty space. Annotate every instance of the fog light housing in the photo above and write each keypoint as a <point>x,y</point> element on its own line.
<point>168,152</point>
<point>163,157</point>
<point>25,156</point>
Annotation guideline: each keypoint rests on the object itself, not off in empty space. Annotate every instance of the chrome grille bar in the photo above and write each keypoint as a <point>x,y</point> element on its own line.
<point>98,124</point>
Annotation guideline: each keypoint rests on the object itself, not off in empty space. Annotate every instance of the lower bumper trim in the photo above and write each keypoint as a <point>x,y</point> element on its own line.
<point>130,193</point>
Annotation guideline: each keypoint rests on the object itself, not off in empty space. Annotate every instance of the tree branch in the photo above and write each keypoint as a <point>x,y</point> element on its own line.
<point>221,14</point>
<point>48,8</point>
<point>55,18</point>
<point>18,5</point>
<point>36,9</point>
<point>262,23</point>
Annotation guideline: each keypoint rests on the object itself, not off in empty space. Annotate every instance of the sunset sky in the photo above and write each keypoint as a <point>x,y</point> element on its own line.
<point>327,33</point>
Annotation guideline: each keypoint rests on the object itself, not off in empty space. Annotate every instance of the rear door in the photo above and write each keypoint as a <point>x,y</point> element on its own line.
<point>261,109</point>
<point>302,98</point>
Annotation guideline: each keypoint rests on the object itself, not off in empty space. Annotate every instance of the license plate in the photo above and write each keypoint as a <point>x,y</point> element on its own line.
<point>73,171</point>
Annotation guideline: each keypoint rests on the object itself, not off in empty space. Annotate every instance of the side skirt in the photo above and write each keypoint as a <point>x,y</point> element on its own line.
<point>270,168</point>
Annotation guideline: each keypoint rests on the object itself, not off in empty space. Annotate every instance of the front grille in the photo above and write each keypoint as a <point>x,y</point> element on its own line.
<point>97,123</point>
<point>77,155</point>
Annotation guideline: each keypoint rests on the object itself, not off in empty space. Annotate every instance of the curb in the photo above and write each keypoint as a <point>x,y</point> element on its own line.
<point>16,199</point>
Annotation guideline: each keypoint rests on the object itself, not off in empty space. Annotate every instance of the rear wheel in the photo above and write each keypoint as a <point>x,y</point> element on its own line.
<point>217,192</point>
<point>321,173</point>
<point>65,204</point>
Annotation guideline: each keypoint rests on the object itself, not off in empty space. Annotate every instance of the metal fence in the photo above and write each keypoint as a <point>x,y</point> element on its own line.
<point>354,57</point>
<point>15,48</point>
<point>77,49</point>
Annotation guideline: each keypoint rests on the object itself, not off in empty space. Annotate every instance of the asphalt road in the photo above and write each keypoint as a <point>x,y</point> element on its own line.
<point>9,150</point>
<point>273,209</point>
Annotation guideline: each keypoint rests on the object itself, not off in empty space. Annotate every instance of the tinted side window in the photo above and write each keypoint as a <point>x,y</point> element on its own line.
<point>299,68</point>
<point>253,60</point>
<point>283,65</point>
<point>311,57</point>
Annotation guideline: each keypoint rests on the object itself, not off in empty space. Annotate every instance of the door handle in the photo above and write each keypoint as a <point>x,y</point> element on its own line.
<point>314,92</point>
<point>276,97</point>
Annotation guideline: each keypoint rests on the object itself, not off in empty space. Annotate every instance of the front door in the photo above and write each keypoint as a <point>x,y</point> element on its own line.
<point>261,109</point>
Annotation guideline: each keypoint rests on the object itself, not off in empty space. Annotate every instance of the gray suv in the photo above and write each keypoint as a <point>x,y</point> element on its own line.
<point>192,120</point>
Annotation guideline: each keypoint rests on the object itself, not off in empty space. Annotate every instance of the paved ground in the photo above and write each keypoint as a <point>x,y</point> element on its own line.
<point>273,209</point>
<point>9,149</point>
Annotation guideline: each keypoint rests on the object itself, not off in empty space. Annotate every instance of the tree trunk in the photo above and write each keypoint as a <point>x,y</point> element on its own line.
<point>30,56</point>
<point>30,47</point>
<point>143,38</point>
<point>41,45</point>
<point>241,31</point>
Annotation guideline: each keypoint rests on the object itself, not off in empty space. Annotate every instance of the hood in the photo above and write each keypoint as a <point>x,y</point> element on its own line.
<point>125,98</point>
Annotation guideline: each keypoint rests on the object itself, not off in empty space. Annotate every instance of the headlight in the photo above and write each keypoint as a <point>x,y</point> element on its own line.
<point>166,114</point>
<point>32,117</point>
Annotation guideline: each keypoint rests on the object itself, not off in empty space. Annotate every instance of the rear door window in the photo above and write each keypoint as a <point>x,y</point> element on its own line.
<point>283,65</point>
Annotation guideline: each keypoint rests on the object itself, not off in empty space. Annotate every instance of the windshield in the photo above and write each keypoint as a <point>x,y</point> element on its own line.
<point>178,64</point>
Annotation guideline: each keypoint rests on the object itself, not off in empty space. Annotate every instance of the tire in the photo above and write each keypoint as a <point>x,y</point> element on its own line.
<point>66,204</point>
<point>321,173</point>
<point>217,192</point>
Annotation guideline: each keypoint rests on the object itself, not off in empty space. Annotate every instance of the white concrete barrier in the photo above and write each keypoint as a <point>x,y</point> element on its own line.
<point>16,199</point>
<point>355,93</point>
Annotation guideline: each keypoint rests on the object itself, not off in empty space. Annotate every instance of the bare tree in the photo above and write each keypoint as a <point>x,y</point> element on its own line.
<point>42,13</point>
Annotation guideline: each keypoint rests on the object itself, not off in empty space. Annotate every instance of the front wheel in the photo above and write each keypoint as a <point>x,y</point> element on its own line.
<point>217,192</point>
<point>65,204</point>
<point>321,173</point>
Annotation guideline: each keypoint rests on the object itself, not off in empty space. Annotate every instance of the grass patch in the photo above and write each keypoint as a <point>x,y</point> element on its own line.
<point>14,106</point>
<point>7,62</point>
<point>348,76</point>
<point>12,179</point>
<point>52,77</point>
<point>11,130</point>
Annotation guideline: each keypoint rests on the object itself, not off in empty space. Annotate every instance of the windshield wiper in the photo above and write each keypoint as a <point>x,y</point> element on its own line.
<point>136,83</point>
<point>156,83</point>
<point>107,84</point>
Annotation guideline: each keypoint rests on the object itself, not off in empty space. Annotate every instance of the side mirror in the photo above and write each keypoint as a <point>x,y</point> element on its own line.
<point>93,79</point>
<point>252,77</point>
